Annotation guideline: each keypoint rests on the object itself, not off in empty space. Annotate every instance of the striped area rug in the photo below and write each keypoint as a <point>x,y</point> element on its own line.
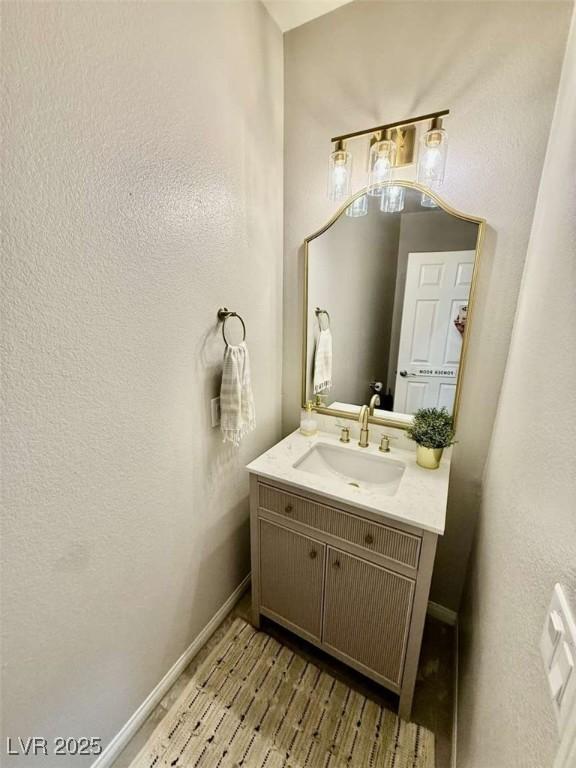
<point>255,704</point>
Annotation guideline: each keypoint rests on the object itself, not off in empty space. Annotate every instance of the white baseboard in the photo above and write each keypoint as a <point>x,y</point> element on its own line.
<point>440,612</point>
<point>448,616</point>
<point>454,750</point>
<point>155,697</point>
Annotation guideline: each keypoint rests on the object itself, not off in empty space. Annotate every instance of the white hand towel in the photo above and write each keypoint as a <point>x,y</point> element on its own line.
<point>323,362</point>
<point>237,415</point>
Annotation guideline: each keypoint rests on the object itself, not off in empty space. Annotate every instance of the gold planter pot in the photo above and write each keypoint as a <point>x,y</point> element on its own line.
<point>428,457</point>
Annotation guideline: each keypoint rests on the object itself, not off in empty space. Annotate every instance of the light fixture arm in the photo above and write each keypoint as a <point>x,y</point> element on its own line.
<point>398,124</point>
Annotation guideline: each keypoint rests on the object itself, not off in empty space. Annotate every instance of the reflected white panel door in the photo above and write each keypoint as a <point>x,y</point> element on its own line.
<point>437,288</point>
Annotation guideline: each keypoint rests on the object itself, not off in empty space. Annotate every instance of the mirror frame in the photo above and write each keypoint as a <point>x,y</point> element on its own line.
<point>400,420</point>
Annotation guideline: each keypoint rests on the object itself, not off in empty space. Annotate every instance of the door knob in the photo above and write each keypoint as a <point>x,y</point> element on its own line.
<point>404,374</point>
<point>313,554</point>
<point>336,564</point>
<point>369,539</point>
<point>288,509</point>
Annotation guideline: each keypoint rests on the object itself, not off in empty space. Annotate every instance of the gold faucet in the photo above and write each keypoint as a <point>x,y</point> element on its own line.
<point>363,419</point>
<point>365,411</point>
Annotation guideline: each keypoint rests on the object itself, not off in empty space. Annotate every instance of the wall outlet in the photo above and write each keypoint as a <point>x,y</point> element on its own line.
<point>215,411</point>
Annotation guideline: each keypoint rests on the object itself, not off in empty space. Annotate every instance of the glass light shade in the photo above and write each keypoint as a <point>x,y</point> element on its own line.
<point>380,164</point>
<point>339,175</point>
<point>392,200</point>
<point>432,159</point>
<point>358,207</point>
<point>428,202</point>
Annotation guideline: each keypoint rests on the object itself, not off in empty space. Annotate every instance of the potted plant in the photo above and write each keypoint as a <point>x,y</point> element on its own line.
<point>432,431</point>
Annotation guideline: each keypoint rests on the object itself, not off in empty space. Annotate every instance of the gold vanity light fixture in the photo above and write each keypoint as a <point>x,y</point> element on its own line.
<point>340,172</point>
<point>380,162</point>
<point>432,159</point>
<point>391,146</point>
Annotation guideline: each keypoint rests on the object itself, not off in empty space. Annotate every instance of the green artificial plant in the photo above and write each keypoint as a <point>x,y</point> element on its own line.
<point>432,428</point>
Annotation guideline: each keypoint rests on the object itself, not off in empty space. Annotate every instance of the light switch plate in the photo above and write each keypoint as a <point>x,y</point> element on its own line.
<point>558,648</point>
<point>215,411</point>
<point>564,663</point>
<point>554,630</point>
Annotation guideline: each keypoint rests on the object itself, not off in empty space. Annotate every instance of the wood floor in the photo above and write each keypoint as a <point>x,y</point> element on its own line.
<point>433,699</point>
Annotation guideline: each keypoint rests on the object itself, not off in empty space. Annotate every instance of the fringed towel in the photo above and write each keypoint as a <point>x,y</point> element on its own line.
<point>323,362</point>
<point>237,416</point>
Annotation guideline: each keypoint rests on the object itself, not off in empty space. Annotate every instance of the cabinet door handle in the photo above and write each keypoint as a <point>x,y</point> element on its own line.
<point>369,539</point>
<point>288,508</point>
<point>336,564</point>
<point>313,554</point>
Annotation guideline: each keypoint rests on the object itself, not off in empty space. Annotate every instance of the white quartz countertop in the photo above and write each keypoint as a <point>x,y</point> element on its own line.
<point>420,499</point>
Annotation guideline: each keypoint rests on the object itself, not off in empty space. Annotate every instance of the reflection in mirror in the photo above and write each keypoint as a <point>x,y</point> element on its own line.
<point>388,303</point>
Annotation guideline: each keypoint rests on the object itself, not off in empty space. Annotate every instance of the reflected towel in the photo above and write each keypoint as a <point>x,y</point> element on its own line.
<point>323,362</point>
<point>237,414</point>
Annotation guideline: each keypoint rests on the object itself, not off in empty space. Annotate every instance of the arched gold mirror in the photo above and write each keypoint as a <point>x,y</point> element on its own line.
<point>388,301</point>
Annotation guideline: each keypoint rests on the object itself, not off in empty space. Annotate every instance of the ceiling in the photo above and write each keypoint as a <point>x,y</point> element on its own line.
<point>292,13</point>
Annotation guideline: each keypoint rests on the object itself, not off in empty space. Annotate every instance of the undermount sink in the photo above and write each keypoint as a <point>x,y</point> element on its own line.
<point>352,467</point>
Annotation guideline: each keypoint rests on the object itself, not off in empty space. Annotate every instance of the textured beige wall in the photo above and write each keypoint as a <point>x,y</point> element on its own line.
<point>527,527</point>
<point>143,185</point>
<point>496,66</point>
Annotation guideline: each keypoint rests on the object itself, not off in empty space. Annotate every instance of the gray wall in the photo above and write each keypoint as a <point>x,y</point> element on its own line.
<point>496,67</point>
<point>527,527</point>
<point>352,273</point>
<point>143,181</point>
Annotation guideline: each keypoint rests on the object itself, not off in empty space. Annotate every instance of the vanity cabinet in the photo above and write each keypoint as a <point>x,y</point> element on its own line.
<point>351,582</point>
<point>292,565</point>
<point>367,612</point>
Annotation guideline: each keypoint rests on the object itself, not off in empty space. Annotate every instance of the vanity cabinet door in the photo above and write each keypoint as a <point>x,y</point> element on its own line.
<point>291,577</point>
<point>367,611</point>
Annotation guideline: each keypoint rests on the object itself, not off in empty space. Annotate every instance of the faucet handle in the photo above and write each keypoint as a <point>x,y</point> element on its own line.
<point>344,432</point>
<point>385,442</point>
